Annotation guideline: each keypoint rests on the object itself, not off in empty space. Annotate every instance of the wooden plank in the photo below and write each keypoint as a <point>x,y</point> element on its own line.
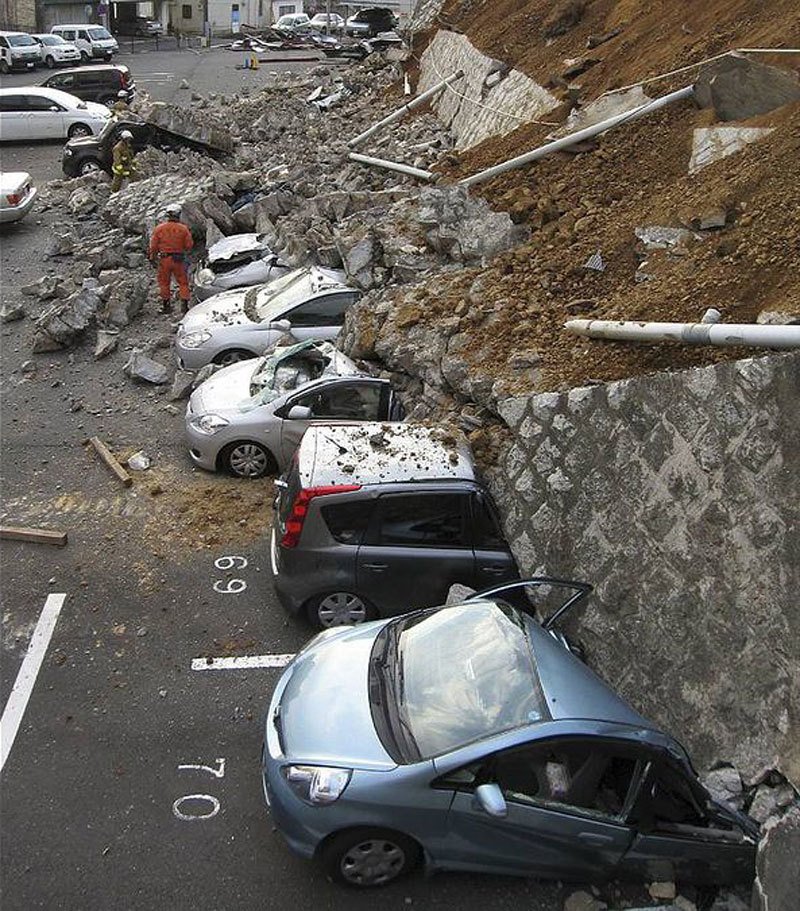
<point>37,535</point>
<point>108,457</point>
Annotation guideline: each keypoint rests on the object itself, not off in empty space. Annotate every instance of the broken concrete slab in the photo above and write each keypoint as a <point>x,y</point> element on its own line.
<point>82,202</point>
<point>46,288</point>
<point>603,108</point>
<point>182,385</point>
<point>125,293</point>
<point>710,144</point>
<point>661,237</point>
<point>203,129</point>
<point>142,368</point>
<point>64,323</point>
<point>60,243</point>
<point>739,88</point>
<point>777,883</point>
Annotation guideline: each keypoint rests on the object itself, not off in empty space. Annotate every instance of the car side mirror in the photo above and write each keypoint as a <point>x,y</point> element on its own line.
<point>280,325</point>
<point>489,798</point>
<point>299,413</point>
<point>54,108</point>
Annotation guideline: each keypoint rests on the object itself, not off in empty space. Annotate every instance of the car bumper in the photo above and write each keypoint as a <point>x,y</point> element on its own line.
<point>192,358</point>
<point>15,213</point>
<point>290,595</point>
<point>24,64</point>
<point>203,447</point>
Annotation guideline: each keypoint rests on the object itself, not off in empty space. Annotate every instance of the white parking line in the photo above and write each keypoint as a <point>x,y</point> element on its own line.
<point>242,663</point>
<point>26,677</point>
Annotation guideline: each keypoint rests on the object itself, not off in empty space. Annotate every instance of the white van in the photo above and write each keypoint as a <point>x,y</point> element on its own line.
<point>18,51</point>
<point>93,41</point>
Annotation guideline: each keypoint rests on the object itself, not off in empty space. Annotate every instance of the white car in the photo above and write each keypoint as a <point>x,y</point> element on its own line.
<point>53,50</point>
<point>17,194</point>
<point>34,112</point>
<point>291,21</point>
<point>333,20</point>
<point>18,51</point>
<point>92,41</point>
<point>237,261</point>
<point>243,323</point>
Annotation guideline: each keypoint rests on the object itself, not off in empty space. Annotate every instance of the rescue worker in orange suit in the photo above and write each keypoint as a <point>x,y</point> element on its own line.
<point>123,161</point>
<point>170,243</point>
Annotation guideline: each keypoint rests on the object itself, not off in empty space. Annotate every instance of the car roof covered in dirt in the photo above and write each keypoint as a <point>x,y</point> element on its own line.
<point>382,453</point>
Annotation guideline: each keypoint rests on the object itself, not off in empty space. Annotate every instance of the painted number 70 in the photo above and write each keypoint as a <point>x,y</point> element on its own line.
<point>188,807</point>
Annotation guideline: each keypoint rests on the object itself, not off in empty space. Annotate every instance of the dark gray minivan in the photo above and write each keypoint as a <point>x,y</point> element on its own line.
<point>375,519</point>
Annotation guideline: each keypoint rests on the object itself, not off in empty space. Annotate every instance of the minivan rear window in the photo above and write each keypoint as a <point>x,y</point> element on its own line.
<point>347,522</point>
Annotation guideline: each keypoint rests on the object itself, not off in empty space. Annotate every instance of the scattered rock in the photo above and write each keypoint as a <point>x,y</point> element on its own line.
<point>778,318</point>
<point>182,385</point>
<point>60,243</point>
<point>141,368</point>
<point>82,201</point>
<point>777,882</point>
<point>46,288</point>
<point>10,313</point>
<point>769,801</point>
<point>725,784</point>
<point>139,461</point>
<point>582,901</point>
<point>107,340</point>
<point>739,88</point>
<point>64,323</point>
<point>565,15</point>
<point>662,890</point>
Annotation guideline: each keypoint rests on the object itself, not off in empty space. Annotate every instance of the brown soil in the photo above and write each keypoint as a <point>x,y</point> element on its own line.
<point>579,204</point>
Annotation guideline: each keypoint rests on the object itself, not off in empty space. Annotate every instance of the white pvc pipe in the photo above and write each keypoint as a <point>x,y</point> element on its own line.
<point>689,333</point>
<point>392,166</point>
<point>400,112</point>
<point>578,136</point>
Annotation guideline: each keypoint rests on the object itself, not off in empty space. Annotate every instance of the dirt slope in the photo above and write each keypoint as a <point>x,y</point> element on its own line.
<point>577,205</point>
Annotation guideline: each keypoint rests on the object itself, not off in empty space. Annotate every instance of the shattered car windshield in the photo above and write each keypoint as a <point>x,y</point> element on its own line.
<point>457,675</point>
<point>287,368</point>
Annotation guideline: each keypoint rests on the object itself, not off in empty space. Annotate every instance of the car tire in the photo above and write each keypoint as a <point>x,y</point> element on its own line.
<point>232,356</point>
<point>107,100</point>
<point>366,858</point>
<point>89,166</point>
<point>339,608</point>
<point>50,62</point>
<point>246,459</point>
<point>77,130</point>
<point>84,58</point>
<point>4,67</point>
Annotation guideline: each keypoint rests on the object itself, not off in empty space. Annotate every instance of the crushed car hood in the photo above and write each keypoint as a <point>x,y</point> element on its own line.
<point>226,309</point>
<point>224,390</point>
<point>333,723</point>
<point>235,245</point>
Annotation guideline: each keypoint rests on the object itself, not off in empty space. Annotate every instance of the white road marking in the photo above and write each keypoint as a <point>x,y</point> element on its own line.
<point>242,663</point>
<point>217,773</point>
<point>191,817</point>
<point>28,672</point>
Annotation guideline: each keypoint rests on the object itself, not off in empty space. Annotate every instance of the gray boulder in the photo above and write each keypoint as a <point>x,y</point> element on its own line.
<point>60,243</point>
<point>182,385</point>
<point>107,340</point>
<point>143,369</point>
<point>777,882</point>
<point>82,201</point>
<point>10,313</point>
<point>739,88</point>
<point>126,294</point>
<point>46,288</point>
<point>64,323</point>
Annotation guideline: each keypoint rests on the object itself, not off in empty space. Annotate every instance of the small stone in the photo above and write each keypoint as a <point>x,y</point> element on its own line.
<point>162,693</point>
<point>583,901</point>
<point>184,84</point>
<point>662,890</point>
<point>10,313</point>
<point>141,632</point>
<point>182,385</point>
<point>682,903</point>
<point>107,340</point>
<point>141,368</point>
<point>725,784</point>
<point>139,461</point>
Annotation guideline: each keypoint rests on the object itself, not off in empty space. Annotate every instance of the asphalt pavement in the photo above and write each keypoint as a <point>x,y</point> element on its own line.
<point>133,779</point>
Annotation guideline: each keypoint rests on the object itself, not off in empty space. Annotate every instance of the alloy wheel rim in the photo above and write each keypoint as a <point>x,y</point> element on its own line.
<point>341,609</point>
<point>249,461</point>
<point>373,862</point>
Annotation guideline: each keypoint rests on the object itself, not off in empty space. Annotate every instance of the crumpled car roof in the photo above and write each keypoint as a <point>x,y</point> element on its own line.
<point>236,244</point>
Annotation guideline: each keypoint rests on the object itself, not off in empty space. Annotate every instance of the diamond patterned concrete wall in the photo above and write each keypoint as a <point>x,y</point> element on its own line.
<point>678,496</point>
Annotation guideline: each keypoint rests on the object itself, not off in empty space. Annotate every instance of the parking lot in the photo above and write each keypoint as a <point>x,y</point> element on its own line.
<point>133,779</point>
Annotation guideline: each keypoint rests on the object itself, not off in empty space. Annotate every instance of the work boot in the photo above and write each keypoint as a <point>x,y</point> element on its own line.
<point>166,306</point>
<point>185,306</point>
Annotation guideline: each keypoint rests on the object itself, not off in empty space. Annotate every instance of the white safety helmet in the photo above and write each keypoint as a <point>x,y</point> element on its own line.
<point>126,134</point>
<point>173,210</point>
<point>122,94</point>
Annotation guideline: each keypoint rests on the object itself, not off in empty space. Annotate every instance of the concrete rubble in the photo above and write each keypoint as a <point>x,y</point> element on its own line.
<point>141,368</point>
<point>738,88</point>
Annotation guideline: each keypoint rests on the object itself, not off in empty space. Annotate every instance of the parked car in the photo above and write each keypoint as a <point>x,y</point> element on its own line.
<point>32,112</point>
<point>468,738</point>
<point>53,50</point>
<point>101,83</point>
<point>369,22</point>
<point>17,194</point>
<point>140,26</point>
<point>93,41</point>
<point>291,22</point>
<point>248,418</point>
<point>240,323</point>
<point>332,21</point>
<point>374,519</point>
<point>18,51</point>
<point>237,262</point>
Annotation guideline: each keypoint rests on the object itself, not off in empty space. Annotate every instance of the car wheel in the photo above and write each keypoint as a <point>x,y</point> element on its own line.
<point>49,61</point>
<point>369,857</point>
<point>108,101</point>
<point>339,609</point>
<point>77,130</point>
<point>3,67</point>
<point>248,460</point>
<point>88,166</point>
<point>226,358</point>
<point>84,58</point>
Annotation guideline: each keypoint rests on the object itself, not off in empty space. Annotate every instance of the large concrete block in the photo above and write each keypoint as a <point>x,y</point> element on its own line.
<point>738,88</point>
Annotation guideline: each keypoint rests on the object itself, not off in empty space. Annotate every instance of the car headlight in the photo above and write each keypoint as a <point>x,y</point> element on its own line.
<point>67,153</point>
<point>205,277</point>
<point>317,785</point>
<point>210,423</point>
<point>195,339</point>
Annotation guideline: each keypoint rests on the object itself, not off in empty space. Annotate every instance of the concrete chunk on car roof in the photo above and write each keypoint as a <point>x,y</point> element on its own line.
<point>371,453</point>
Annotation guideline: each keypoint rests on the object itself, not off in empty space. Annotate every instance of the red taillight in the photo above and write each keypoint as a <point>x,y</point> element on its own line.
<point>14,198</point>
<point>294,524</point>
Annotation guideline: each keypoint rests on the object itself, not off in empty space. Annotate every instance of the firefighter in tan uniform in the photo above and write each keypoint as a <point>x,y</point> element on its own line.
<point>123,161</point>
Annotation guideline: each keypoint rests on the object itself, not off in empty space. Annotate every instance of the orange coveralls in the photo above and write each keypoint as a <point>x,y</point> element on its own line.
<point>171,240</point>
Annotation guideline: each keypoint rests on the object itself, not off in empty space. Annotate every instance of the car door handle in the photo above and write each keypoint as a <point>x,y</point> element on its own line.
<point>594,838</point>
<point>378,567</point>
<point>493,570</point>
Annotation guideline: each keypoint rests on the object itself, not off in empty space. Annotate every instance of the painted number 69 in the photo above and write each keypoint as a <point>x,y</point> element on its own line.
<point>232,562</point>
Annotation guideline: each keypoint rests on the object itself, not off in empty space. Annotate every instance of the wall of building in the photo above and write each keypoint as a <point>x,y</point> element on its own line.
<point>18,15</point>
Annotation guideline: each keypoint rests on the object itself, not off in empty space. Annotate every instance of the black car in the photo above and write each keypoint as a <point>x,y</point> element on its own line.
<point>101,83</point>
<point>139,26</point>
<point>92,153</point>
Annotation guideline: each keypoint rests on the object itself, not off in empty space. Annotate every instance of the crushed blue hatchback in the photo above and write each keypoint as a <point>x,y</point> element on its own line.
<point>470,737</point>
